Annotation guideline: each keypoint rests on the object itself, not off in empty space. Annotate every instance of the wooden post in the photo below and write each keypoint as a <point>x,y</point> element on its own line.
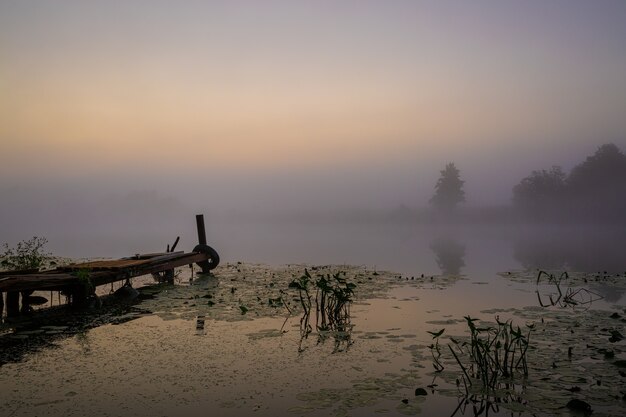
<point>168,275</point>
<point>201,231</point>
<point>13,303</point>
<point>25,302</point>
<point>79,296</point>
<point>201,247</point>
<point>1,303</point>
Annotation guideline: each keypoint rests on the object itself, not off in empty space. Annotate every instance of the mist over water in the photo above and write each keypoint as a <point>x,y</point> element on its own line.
<point>397,240</point>
<point>315,133</point>
<point>548,224</point>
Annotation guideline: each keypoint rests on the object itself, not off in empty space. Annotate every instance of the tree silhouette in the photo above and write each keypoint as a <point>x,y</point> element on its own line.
<point>541,192</point>
<point>597,186</point>
<point>595,190</point>
<point>449,189</point>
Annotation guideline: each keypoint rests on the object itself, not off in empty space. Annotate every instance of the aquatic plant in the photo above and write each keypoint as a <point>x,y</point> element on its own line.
<point>27,254</point>
<point>302,285</point>
<point>435,351</point>
<point>333,297</point>
<point>492,353</point>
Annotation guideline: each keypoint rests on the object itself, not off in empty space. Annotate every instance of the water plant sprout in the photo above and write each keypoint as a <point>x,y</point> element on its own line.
<point>491,354</point>
<point>333,297</point>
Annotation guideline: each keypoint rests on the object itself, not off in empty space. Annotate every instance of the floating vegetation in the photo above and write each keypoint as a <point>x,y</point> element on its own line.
<point>192,342</point>
<point>572,357</point>
<point>366,392</point>
<point>574,279</point>
<point>261,289</point>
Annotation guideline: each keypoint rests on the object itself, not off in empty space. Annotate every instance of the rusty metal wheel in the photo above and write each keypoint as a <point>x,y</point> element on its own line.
<point>212,262</point>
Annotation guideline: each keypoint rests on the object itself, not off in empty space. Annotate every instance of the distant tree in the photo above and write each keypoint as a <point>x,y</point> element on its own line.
<point>605,169</point>
<point>541,192</point>
<point>595,190</point>
<point>597,186</point>
<point>449,189</point>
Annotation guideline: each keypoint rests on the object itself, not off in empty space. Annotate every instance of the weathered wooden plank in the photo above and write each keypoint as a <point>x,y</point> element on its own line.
<point>152,255</point>
<point>54,280</point>
<point>21,272</point>
<point>124,263</point>
<point>166,256</point>
<point>35,281</point>
<point>104,264</point>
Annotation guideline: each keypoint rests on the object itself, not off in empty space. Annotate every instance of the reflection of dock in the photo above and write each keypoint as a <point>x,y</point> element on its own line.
<point>80,280</point>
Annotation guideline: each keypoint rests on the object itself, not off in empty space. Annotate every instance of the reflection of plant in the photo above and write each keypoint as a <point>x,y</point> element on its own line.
<point>450,255</point>
<point>28,254</point>
<point>573,297</point>
<point>485,403</point>
<point>333,297</point>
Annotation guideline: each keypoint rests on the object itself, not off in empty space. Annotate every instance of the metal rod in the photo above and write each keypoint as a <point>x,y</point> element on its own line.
<point>175,243</point>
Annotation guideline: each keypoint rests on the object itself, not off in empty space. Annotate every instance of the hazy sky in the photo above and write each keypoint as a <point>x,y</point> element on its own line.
<point>298,103</point>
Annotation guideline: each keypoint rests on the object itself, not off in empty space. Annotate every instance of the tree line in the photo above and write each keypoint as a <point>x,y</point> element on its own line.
<point>594,190</point>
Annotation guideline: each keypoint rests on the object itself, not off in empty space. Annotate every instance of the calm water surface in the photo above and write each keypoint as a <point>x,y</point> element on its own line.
<point>161,364</point>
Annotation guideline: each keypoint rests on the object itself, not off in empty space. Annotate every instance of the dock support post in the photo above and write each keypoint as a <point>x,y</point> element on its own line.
<point>201,231</point>
<point>79,296</point>
<point>25,301</point>
<point>169,276</point>
<point>202,247</point>
<point>13,303</point>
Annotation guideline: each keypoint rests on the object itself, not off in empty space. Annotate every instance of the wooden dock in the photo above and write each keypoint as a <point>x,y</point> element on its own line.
<point>79,280</point>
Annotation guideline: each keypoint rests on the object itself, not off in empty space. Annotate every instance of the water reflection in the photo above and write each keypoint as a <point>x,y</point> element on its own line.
<point>562,295</point>
<point>477,405</point>
<point>449,255</point>
<point>585,249</point>
<point>340,332</point>
<point>32,334</point>
<point>610,293</point>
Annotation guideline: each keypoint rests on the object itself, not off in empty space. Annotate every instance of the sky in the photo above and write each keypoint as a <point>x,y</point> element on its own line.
<point>260,105</point>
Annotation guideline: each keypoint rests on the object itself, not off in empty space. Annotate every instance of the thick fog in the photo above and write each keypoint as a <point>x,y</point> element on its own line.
<point>345,214</point>
<point>304,132</point>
